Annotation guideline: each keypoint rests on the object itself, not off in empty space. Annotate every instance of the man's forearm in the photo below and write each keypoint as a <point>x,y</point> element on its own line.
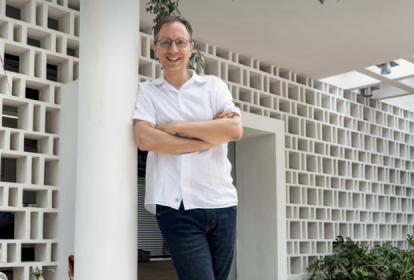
<point>150,139</point>
<point>215,132</point>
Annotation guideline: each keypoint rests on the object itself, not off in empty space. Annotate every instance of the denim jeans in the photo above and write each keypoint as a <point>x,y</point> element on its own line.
<point>200,241</point>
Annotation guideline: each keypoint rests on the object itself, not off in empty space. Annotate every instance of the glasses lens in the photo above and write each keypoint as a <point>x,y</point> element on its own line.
<point>181,43</point>
<point>165,43</point>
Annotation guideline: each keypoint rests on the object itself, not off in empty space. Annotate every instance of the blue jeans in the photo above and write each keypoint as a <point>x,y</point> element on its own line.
<point>200,241</point>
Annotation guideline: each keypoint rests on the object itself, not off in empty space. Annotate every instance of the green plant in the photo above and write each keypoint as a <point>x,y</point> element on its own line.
<point>163,8</point>
<point>353,261</point>
<point>38,274</point>
<point>3,276</point>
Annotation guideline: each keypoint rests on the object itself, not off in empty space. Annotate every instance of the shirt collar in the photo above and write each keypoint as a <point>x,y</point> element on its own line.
<point>194,77</point>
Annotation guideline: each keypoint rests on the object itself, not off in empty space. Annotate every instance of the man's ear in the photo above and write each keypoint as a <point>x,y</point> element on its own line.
<point>192,47</point>
<point>154,48</point>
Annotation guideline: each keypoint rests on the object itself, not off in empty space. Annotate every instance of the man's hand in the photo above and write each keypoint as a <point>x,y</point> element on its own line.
<point>168,127</point>
<point>221,115</point>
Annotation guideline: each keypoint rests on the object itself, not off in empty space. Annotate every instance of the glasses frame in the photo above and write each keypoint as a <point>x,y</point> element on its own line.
<point>171,42</point>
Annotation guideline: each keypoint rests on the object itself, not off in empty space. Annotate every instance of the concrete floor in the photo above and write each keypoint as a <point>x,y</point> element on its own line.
<point>156,270</point>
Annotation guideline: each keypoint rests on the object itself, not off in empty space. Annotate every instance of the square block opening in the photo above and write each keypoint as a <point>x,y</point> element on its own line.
<point>266,101</point>
<point>319,148</point>
<point>295,265</point>
<point>311,164</point>
<point>294,194</point>
<point>303,179</point>
<point>303,145</point>
<point>357,231</point>
<point>295,230</point>
<point>16,59</point>
<point>342,168</point>
<point>50,226</point>
<point>320,181</point>
<point>256,81</point>
<point>341,137</point>
<point>336,183</point>
<point>327,198</point>
<point>35,199</point>
<point>343,199</point>
<point>369,201</point>
<point>336,215</point>
<point>58,20</point>
<point>11,253</point>
<point>33,252</point>
<point>304,213</point>
<point>343,230</point>
<point>312,196</point>
<point>73,48</point>
<point>395,232</point>
<point>318,115</point>
<point>294,160</point>
<point>350,215</point>
<point>13,169</point>
<point>364,216</point>
<point>370,231</point>
<point>7,222</point>
<point>320,214</point>
<point>51,172</point>
<point>326,133</point>
<point>327,166</point>
<point>349,185</point>
<point>275,87</point>
<point>321,247</point>
<point>145,68</point>
<point>293,92</point>
<point>383,232</point>
<point>329,231</point>
<point>376,217</point>
<point>304,248</point>
<point>312,230</point>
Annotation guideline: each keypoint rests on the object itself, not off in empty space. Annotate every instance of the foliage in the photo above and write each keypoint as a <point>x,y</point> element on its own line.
<point>353,261</point>
<point>3,276</point>
<point>38,274</point>
<point>323,1</point>
<point>163,8</point>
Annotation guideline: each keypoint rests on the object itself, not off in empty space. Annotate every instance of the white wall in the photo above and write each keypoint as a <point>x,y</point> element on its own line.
<point>67,177</point>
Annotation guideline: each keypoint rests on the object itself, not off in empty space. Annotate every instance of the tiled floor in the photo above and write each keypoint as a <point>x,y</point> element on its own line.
<point>156,270</point>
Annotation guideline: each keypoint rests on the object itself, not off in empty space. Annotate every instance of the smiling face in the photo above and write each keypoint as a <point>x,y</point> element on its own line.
<point>173,60</point>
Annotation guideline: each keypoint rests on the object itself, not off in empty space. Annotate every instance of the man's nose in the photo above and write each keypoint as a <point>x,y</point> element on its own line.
<point>173,46</point>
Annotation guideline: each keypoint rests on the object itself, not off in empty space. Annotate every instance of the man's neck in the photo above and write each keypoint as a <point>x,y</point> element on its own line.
<point>177,80</point>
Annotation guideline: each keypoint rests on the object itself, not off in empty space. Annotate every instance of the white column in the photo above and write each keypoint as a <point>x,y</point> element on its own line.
<point>106,206</point>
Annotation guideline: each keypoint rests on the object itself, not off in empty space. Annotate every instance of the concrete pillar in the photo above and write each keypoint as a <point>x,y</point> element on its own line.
<point>106,206</point>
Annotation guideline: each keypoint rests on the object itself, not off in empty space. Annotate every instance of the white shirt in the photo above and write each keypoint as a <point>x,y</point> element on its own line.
<point>200,179</point>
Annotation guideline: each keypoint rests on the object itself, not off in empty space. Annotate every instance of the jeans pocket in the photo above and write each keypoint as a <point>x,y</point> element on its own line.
<point>161,210</point>
<point>234,207</point>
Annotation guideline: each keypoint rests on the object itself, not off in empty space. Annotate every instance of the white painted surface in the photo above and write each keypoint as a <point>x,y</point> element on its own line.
<point>67,177</point>
<point>260,173</point>
<point>106,201</point>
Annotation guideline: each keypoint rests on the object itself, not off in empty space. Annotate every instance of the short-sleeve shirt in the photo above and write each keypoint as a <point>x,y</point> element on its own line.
<point>200,179</point>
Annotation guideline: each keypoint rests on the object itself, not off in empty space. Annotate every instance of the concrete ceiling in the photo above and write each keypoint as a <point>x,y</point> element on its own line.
<point>305,37</point>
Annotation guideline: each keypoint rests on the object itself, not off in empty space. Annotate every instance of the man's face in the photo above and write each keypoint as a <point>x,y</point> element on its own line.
<point>174,60</point>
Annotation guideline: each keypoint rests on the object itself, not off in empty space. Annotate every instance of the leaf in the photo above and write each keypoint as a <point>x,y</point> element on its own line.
<point>322,1</point>
<point>203,65</point>
<point>3,276</point>
<point>197,59</point>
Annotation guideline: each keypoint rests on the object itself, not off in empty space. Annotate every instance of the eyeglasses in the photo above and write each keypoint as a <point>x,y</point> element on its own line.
<point>166,43</point>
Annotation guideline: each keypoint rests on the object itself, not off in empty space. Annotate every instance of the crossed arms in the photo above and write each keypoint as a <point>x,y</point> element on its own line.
<point>225,127</point>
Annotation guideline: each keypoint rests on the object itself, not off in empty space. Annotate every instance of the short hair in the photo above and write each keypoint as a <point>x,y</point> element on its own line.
<point>169,20</point>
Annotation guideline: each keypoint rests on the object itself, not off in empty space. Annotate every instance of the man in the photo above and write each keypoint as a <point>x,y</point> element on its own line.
<point>185,122</point>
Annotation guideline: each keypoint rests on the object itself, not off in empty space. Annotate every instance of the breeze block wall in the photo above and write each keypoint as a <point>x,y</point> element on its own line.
<point>39,46</point>
<point>349,159</point>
